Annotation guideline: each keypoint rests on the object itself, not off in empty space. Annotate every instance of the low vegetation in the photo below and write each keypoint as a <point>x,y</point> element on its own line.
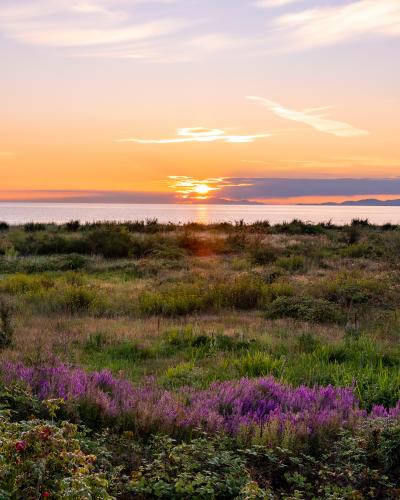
<point>148,360</point>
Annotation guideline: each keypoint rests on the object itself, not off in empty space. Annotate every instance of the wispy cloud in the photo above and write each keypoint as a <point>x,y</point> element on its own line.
<point>269,4</point>
<point>79,24</point>
<point>154,30</point>
<point>329,25</point>
<point>199,134</point>
<point>312,117</point>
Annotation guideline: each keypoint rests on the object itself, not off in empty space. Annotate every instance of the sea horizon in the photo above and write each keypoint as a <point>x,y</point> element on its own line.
<point>15,213</point>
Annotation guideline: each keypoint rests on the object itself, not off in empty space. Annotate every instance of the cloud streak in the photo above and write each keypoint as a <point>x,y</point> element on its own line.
<point>199,134</point>
<point>79,24</point>
<point>322,26</point>
<point>271,4</point>
<point>313,118</point>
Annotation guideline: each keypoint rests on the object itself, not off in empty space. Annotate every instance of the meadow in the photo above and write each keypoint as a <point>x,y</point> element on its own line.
<point>148,360</point>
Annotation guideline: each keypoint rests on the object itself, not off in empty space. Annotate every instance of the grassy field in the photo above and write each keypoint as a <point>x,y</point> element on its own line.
<point>179,312</point>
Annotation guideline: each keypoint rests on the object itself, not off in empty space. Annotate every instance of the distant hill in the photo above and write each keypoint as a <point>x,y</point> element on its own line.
<point>369,202</point>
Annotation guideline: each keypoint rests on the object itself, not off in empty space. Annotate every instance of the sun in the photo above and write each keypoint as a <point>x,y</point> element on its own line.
<point>202,189</point>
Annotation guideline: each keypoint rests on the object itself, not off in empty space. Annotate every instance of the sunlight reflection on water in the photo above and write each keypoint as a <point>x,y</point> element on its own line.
<point>18,213</point>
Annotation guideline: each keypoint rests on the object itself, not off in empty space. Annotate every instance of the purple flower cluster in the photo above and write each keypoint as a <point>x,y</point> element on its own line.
<point>246,407</point>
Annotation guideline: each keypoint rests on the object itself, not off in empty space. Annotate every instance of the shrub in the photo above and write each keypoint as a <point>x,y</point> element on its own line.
<point>180,337</point>
<point>175,301</point>
<point>258,364</point>
<point>73,226</point>
<point>305,309</point>
<point>20,284</point>
<point>353,234</point>
<point>202,468</point>
<point>4,226</point>
<point>243,293</point>
<point>263,254</point>
<point>49,244</point>
<point>110,243</point>
<point>6,329</point>
<point>75,299</point>
<point>72,262</point>
<point>293,263</point>
<point>40,459</point>
<point>32,227</point>
<point>299,227</point>
<point>307,342</point>
<point>360,222</point>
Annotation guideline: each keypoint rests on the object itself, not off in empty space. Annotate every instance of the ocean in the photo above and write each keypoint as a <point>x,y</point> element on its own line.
<point>19,213</point>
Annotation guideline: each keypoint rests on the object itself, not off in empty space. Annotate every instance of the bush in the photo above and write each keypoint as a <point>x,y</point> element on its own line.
<point>73,226</point>
<point>244,293</point>
<point>110,243</point>
<point>263,254</point>
<point>40,459</point>
<point>258,364</point>
<point>75,299</point>
<point>6,329</point>
<point>4,226</point>
<point>299,227</point>
<point>305,309</point>
<point>32,227</point>
<point>293,263</point>
<point>175,301</point>
<point>359,250</point>
<point>202,468</point>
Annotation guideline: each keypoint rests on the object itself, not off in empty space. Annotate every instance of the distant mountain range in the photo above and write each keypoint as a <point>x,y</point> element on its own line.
<point>369,202</point>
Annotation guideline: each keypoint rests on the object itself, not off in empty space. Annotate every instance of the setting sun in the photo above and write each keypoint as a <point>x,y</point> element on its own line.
<point>202,189</point>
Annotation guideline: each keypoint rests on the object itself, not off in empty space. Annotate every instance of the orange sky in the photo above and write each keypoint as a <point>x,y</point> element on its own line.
<point>107,95</point>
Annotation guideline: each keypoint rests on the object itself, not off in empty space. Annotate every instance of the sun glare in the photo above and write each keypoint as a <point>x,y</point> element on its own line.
<point>202,189</point>
<point>189,188</point>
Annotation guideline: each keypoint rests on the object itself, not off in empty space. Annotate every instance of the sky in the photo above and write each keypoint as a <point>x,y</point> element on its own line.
<point>199,101</point>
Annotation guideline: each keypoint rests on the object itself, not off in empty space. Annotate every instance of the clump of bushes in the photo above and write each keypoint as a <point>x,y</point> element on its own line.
<point>360,250</point>
<point>201,468</point>
<point>305,309</point>
<point>297,226</point>
<point>292,263</point>
<point>6,328</point>
<point>33,227</point>
<point>110,243</point>
<point>40,459</point>
<point>264,254</point>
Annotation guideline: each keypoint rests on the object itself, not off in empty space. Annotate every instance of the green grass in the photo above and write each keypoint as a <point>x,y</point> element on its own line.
<point>307,304</point>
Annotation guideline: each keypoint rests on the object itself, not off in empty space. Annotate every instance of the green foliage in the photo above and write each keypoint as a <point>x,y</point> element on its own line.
<point>292,263</point>
<point>304,309</point>
<point>299,227</point>
<point>359,250</point>
<point>243,293</point>
<point>263,254</point>
<point>174,301</point>
<point>110,243</point>
<point>258,364</point>
<point>32,227</point>
<point>202,468</point>
<point>75,299</point>
<point>6,328</point>
<point>39,459</point>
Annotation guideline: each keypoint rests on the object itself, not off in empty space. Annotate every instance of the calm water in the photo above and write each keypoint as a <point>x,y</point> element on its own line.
<point>17,213</point>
